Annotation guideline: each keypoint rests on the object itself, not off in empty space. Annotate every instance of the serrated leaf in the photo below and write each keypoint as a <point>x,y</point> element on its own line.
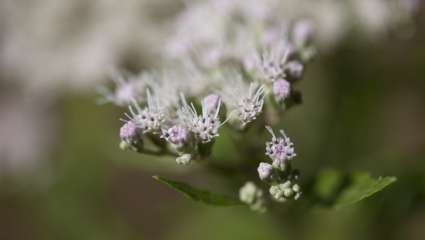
<point>362,186</point>
<point>199,194</point>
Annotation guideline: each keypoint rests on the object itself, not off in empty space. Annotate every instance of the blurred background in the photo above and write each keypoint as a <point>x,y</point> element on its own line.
<point>62,175</point>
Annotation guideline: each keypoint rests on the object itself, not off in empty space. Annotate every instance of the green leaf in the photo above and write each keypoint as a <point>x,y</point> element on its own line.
<point>337,190</point>
<point>362,186</point>
<point>327,183</point>
<point>199,194</point>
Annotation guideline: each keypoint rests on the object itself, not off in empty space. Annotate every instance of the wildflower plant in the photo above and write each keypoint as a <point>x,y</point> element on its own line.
<point>238,75</point>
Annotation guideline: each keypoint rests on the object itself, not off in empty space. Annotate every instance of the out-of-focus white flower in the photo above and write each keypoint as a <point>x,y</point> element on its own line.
<point>76,46</point>
<point>126,90</point>
<point>270,63</point>
<point>244,100</point>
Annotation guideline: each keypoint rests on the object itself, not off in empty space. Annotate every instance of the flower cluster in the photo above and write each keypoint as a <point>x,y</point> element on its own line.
<point>279,174</point>
<point>240,73</point>
<point>159,110</point>
<point>233,63</point>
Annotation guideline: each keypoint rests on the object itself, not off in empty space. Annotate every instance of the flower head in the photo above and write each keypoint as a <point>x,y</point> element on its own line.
<point>270,64</point>
<point>150,118</point>
<point>251,106</point>
<point>279,149</point>
<point>244,100</point>
<point>205,126</point>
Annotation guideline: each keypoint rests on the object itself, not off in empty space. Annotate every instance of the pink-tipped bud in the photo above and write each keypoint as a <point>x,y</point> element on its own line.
<point>265,171</point>
<point>176,135</point>
<point>128,131</point>
<point>303,32</point>
<point>281,89</point>
<point>211,102</point>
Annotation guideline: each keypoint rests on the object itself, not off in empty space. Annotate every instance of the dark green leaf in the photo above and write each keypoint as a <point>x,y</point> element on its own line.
<point>199,194</point>
<point>335,189</point>
<point>362,186</point>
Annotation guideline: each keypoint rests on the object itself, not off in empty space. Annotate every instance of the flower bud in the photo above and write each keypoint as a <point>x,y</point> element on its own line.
<point>285,191</point>
<point>128,131</point>
<point>265,171</point>
<point>176,135</point>
<point>184,159</point>
<point>296,188</point>
<point>281,89</point>
<point>294,69</point>
<point>251,195</point>
<point>248,192</point>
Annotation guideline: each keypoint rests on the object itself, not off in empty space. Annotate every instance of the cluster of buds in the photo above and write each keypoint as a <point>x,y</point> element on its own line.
<point>279,174</point>
<point>285,191</point>
<point>253,196</point>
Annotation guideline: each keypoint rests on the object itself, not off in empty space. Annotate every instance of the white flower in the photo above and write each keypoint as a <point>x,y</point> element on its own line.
<point>205,126</point>
<point>279,149</point>
<point>244,100</point>
<point>126,90</point>
<point>270,64</point>
<point>165,85</point>
<point>150,118</point>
